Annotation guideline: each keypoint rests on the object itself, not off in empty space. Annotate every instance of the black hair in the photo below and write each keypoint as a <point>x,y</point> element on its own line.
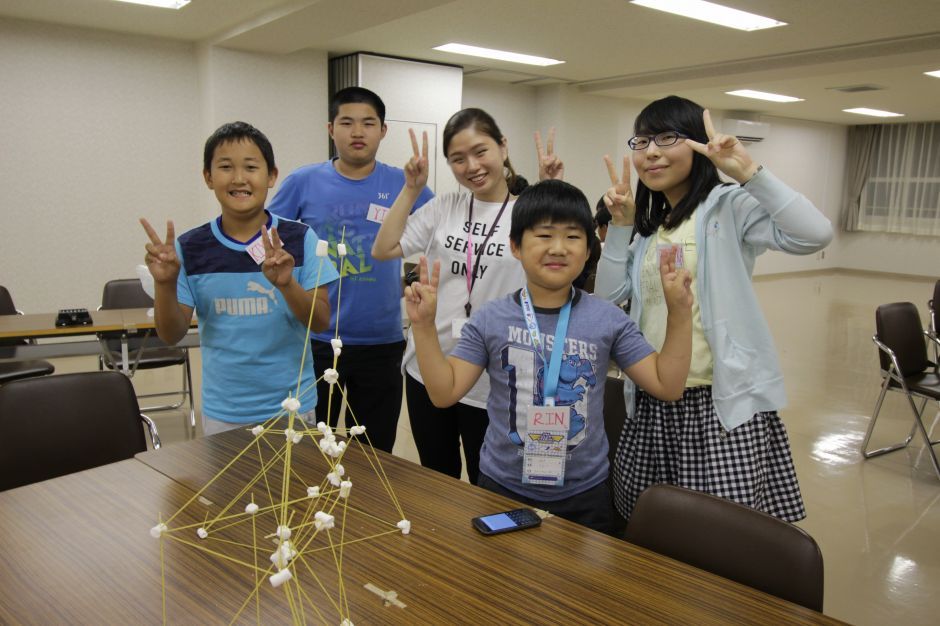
<point>602,213</point>
<point>357,95</point>
<point>652,208</point>
<point>237,131</point>
<point>482,122</point>
<point>554,201</point>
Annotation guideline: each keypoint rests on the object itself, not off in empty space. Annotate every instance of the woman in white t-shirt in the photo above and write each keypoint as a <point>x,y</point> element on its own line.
<point>469,234</point>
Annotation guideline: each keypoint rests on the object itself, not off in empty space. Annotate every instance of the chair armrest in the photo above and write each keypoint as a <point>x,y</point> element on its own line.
<point>152,428</point>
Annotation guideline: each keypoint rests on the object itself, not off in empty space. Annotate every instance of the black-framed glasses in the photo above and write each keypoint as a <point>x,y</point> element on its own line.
<point>663,139</point>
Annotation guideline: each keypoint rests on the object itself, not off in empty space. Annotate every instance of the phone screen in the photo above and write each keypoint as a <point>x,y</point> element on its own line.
<point>499,521</point>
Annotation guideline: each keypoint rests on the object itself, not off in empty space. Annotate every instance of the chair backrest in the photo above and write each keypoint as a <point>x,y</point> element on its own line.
<point>898,327</point>
<point>125,293</point>
<point>6,302</point>
<point>731,540</point>
<point>57,425</point>
<point>934,305</point>
<point>615,411</point>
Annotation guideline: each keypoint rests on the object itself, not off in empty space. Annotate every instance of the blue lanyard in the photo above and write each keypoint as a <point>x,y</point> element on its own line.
<point>561,332</point>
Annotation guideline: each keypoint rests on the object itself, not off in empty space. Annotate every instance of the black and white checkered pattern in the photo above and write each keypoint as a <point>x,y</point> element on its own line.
<point>683,443</point>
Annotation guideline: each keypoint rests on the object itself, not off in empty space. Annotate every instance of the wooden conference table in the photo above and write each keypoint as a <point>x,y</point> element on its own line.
<point>77,550</point>
<point>125,322</point>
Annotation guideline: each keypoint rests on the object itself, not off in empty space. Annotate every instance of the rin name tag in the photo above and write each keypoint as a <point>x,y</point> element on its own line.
<point>377,213</point>
<point>545,445</point>
<point>256,250</point>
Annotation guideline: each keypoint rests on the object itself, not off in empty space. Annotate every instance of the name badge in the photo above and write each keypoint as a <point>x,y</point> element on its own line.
<point>256,250</point>
<point>377,213</point>
<point>668,249</point>
<point>545,445</point>
<point>456,327</point>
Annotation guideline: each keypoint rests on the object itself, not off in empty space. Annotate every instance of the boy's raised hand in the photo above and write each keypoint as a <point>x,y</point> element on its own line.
<point>550,166</point>
<point>619,197</point>
<point>421,296</point>
<point>725,151</point>
<point>416,169</point>
<point>161,257</point>
<point>278,264</point>
<point>677,282</point>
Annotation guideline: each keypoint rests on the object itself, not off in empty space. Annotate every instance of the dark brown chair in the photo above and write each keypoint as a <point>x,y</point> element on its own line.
<point>933,305</point>
<point>15,370</point>
<point>56,425</point>
<point>145,349</point>
<point>729,539</point>
<point>905,368</point>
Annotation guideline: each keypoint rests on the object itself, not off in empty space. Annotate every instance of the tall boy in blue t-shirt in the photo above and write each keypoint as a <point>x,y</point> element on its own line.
<point>348,196</point>
<point>251,279</point>
<point>546,349</point>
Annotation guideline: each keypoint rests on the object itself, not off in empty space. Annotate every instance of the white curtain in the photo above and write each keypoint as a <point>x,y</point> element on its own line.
<point>902,190</point>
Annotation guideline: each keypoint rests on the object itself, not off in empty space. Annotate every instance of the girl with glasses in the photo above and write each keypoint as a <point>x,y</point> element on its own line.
<point>468,231</point>
<point>724,436</point>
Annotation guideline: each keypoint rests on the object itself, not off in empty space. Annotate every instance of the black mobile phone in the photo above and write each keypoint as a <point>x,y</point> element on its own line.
<point>504,522</point>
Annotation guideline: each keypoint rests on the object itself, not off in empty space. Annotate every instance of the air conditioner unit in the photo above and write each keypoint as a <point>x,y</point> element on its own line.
<point>746,130</point>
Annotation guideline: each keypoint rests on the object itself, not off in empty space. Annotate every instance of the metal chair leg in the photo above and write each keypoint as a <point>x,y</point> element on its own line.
<point>923,430</point>
<point>871,428</point>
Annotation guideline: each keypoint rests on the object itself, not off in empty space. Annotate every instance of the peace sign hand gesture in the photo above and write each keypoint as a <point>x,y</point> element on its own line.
<point>161,257</point>
<point>550,166</point>
<point>416,169</point>
<point>726,152</point>
<point>421,296</point>
<point>278,264</point>
<point>619,197</point>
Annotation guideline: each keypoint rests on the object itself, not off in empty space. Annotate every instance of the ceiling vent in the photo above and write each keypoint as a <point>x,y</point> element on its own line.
<point>855,88</point>
<point>746,130</point>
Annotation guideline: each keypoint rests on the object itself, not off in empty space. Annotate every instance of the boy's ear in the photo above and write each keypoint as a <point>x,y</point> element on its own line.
<point>516,252</point>
<point>272,177</point>
<point>207,176</point>
<point>329,129</point>
<point>384,130</point>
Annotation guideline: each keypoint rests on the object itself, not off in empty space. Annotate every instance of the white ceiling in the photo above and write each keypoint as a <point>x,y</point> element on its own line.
<point>610,47</point>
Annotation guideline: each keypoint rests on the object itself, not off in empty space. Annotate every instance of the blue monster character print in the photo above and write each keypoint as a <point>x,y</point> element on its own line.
<point>569,393</point>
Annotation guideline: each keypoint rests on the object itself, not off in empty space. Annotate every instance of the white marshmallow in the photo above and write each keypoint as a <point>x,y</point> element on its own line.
<point>257,430</point>
<point>341,446</point>
<point>290,403</point>
<point>341,249</point>
<point>323,521</point>
<point>251,509</point>
<point>284,555</point>
<point>283,575</point>
<point>333,477</point>
<point>323,248</point>
<point>322,427</point>
<point>344,488</point>
<point>283,532</point>
<point>298,437</point>
<point>346,622</point>
<point>357,430</point>
<point>337,351</point>
<point>336,342</point>
<point>289,434</point>
<point>157,530</point>
<point>313,492</point>
<point>405,526</point>
<point>330,375</point>
<point>339,469</point>
<point>202,533</point>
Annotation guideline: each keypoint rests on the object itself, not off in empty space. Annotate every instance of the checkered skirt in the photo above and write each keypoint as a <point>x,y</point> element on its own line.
<point>683,443</point>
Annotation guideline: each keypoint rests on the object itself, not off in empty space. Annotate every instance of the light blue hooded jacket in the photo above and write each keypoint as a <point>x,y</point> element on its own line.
<point>733,225</point>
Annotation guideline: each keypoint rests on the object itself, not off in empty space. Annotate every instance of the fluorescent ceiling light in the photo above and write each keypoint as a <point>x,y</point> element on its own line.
<point>763,95</point>
<point>489,53</point>
<point>711,12</point>
<point>873,112</point>
<point>935,73</point>
<point>163,4</point>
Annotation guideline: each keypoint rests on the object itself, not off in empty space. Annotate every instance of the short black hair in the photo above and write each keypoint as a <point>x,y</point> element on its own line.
<point>602,213</point>
<point>237,131</point>
<point>356,95</point>
<point>553,201</point>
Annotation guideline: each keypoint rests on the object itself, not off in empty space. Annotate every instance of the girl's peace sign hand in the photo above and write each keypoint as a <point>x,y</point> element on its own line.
<point>550,166</point>
<point>421,296</point>
<point>416,169</point>
<point>619,197</point>
<point>725,151</point>
<point>161,257</point>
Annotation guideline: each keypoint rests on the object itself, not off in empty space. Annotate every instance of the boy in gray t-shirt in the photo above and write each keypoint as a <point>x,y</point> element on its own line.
<point>551,234</point>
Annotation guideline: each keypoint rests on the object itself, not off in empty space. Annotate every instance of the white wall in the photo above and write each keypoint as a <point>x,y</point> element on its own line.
<point>98,129</point>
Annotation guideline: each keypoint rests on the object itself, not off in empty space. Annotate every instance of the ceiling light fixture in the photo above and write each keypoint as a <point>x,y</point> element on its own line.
<point>763,95</point>
<point>163,4</point>
<point>935,73</point>
<point>873,112</point>
<point>489,53</point>
<point>711,12</point>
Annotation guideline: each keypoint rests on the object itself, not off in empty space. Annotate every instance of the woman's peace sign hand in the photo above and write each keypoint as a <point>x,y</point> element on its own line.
<point>726,152</point>
<point>550,166</point>
<point>416,169</point>
<point>619,197</point>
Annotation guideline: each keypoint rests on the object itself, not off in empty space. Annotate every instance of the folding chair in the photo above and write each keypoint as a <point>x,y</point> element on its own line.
<point>729,539</point>
<point>933,305</point>
<point>15,370</point>
<point>56,425</point>
<point>145,349</point>
<point>902,352</point>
